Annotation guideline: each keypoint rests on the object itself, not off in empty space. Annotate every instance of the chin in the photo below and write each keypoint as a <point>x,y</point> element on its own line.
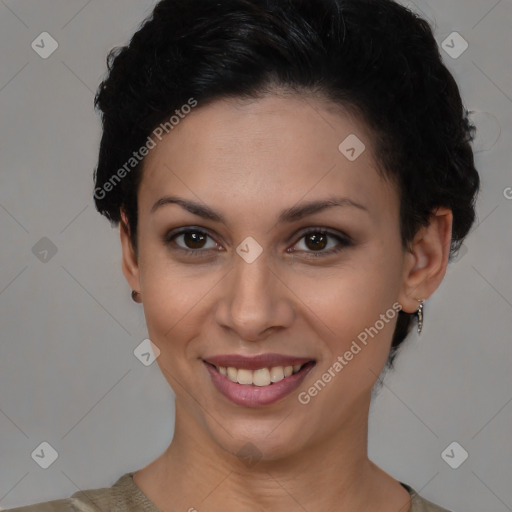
<point>252,441</point>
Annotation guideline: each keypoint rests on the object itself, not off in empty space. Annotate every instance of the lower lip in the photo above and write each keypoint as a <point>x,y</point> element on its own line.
<point>257,396</point>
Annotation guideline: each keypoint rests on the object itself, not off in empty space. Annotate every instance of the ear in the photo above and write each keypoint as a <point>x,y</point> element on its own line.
<point>427,259</point>
<point>129,258</point>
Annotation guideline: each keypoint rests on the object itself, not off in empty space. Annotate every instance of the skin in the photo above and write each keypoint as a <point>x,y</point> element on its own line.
<point>250,160</point>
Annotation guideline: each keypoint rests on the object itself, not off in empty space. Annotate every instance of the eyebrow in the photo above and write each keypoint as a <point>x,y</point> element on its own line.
<point>288,215</point>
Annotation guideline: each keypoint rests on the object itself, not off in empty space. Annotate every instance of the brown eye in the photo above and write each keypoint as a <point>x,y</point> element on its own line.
<point>192,241</point>
<point>314,242</point>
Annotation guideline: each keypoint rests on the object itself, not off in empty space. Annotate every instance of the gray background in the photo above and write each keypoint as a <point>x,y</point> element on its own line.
<point>68,374</point>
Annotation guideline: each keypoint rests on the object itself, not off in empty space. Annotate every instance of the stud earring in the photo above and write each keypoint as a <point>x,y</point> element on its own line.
<point>136,296</point>
<point>419,314</point>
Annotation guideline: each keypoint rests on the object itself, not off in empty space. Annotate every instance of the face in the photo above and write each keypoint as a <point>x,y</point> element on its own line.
<point>258,279</point>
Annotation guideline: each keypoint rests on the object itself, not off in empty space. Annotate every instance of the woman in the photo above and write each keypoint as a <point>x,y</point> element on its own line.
<point>290,180</point>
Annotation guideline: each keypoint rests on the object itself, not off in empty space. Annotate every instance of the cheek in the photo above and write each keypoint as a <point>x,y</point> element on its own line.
<point>351,308</point>
<point>355,293</point>
<point>174,295</point>
<point>173,316</point>
<point>355,328</point>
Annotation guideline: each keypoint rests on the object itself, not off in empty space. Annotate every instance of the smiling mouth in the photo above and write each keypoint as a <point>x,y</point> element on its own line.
<point>261,377</point>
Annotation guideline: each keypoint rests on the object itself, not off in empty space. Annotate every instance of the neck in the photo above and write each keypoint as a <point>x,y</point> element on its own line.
<point>333,474</point>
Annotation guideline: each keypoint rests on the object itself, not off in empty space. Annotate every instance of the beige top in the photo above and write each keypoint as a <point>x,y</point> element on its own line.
<point>125,496</point>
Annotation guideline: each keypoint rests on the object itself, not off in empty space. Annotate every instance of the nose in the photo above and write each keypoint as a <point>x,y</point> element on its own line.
<point>255,301</point>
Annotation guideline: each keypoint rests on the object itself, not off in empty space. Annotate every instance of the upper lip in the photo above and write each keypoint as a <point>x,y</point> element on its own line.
<point>256,362</point>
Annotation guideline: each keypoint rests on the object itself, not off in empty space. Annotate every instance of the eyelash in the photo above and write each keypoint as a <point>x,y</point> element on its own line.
<point>344,242</point>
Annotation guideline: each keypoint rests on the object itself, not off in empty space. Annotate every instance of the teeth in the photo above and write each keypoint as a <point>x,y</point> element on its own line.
<point>232,373</point>
<point>244,376</point>
<point>260,377</point>
<point>276,373</point>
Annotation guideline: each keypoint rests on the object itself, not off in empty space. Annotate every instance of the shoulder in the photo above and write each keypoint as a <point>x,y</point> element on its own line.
<point>91,500</point>
<point>420,504</point>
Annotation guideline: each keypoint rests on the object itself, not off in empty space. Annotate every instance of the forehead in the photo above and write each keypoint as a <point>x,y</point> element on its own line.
<point>276,149</point>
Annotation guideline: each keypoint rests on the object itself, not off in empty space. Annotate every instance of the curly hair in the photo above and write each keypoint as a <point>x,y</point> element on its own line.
<point>374,57</point>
